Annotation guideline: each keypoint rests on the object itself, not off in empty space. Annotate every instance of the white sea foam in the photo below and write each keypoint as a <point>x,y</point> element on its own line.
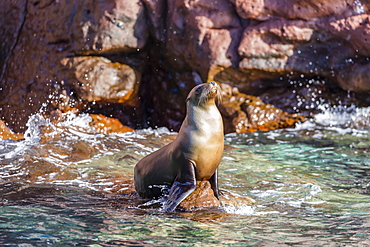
<point>341,119</point>
<point>247,210</point>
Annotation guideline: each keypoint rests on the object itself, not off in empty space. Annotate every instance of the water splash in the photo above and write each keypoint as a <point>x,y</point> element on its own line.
<point>358,7</point>
<point>344,116</point>
<point>243,210</point>
<point>341,119</point>
<point>247,210</point>
<point>311,191</point>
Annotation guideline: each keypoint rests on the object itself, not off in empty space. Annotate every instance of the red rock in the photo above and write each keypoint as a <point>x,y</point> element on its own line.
<point>256,46</point>
<point>201,197</point>
<point>294,9</point>
<point>202,34</point>
<point>156,11</point>
<point>12,15</point>
<point>40,34</point>
<point>358,75</point>
<point>245,113</point>
<point>99,79</point>
<point>7,134</point>
<point>100,26</point>
<point>306,48</point>
<point>355,30</point>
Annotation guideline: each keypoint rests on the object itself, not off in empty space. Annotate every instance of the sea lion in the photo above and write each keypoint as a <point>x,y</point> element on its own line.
<point>193,156</point>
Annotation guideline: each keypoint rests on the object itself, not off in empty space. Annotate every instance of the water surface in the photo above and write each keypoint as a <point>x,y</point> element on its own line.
<point>67,185</point>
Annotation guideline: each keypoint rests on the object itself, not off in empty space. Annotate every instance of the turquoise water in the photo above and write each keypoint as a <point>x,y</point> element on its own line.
<point>66,185</point>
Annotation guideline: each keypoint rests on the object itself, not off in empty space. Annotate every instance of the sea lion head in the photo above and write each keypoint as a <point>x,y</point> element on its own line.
<point>205,93</point>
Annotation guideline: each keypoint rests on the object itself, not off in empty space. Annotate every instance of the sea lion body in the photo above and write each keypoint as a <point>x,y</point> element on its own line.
<point>193,156</point>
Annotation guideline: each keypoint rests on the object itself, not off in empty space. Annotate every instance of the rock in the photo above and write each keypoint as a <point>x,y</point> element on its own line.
<point>202,34</point>
<point>12,15</point>
<point>156,11</point>
<point>354,30</point>
<point>99,79</point>
<point>279,47</point>
<point>323,47</point>
<point>291,9</point>
<point>108,125</point>
<point>154,51</point>
<point>201,197</point>
<point>41,34</point>
<point>245,113</point>
<point>166,100</point>
<point>108,26</point>
<point>290,39</point>
<point>7,134</point>
<point>358,75</point>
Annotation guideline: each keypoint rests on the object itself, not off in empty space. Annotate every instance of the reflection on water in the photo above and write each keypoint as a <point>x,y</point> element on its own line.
<point>66,185</point>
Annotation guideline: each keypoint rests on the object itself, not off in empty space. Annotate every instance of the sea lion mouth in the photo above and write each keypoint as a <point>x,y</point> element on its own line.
<point>212,93</point>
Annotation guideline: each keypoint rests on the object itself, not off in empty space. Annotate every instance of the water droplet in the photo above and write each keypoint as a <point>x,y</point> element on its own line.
<point>358,7</point>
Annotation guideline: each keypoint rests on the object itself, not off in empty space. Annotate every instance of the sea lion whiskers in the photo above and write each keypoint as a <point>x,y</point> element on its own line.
<point>204,96</point>
<point>219,96</point>
<point>209,93</point>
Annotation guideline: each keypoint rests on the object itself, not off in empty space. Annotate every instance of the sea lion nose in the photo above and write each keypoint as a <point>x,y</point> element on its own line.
<point>213,83</point>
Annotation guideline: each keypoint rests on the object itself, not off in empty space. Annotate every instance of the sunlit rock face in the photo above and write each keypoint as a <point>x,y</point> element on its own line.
<point>202,34</point>
<point>6,133</point>
<point>43,39</point>
<point>294,9</point>
<point>245,113</point>
<point>136,60</point>
<point>107,26</point>
<point>99,79</point>
<point>316,47</point>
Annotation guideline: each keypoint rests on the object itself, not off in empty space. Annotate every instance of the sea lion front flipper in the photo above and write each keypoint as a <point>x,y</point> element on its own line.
<point>183,186</point>
<point>214,185</point>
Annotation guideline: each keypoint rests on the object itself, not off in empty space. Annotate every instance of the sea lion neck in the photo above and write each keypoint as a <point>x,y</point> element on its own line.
<point>201,104</point>
<point>202,116</point>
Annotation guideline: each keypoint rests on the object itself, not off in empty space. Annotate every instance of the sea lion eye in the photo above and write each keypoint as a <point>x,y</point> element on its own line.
<point>197,91</point>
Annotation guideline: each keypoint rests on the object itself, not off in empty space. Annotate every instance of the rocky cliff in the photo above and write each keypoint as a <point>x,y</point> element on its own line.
<point>136,60</point>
